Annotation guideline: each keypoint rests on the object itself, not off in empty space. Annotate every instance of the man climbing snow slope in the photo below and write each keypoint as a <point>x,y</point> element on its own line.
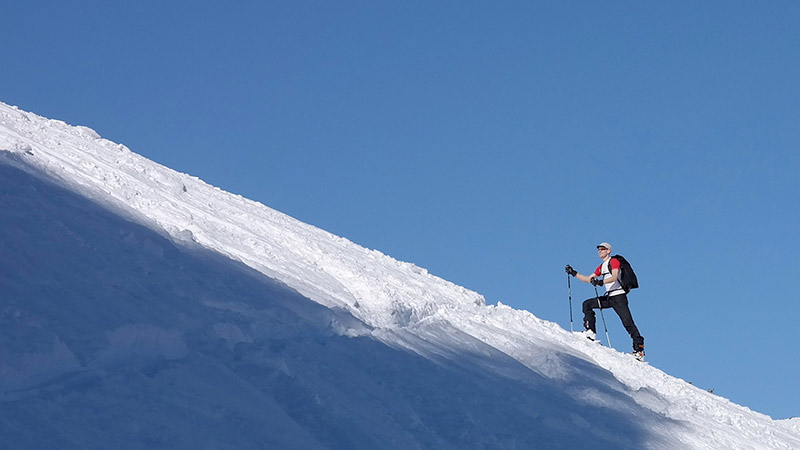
<point>607,274</point>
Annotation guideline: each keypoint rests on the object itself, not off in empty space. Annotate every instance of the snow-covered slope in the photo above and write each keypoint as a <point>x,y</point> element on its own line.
<point>143,308</point>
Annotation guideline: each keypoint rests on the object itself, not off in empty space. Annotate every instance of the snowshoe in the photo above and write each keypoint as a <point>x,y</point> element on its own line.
<point>589,334</point>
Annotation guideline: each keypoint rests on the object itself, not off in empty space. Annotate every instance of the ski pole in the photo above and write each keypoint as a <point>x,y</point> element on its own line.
<point>599,305</point>
<point>569,290</point>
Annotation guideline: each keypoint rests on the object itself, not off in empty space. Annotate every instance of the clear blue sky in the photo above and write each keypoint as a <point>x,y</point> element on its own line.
<point>490,142</point>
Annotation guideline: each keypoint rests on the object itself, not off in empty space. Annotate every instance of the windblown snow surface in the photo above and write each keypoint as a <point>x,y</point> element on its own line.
<point>141,308</point>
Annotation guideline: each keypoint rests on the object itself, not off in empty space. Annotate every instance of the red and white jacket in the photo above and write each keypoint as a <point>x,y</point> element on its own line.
<point>614,288</point>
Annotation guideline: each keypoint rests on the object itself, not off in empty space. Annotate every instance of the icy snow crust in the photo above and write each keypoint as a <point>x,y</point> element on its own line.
<point>143,308</point>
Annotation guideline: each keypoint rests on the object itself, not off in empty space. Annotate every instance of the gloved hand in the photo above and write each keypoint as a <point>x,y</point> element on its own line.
<point>570,270</point>
<point>597,281</point>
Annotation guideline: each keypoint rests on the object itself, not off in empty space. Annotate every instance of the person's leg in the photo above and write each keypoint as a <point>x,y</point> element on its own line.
<point>620,305</point>
<point>589,316</point>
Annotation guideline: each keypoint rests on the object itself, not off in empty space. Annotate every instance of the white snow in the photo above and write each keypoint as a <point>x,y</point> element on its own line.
<point>152,308</point>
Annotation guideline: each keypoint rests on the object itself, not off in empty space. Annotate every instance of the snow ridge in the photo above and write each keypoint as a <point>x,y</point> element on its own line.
<point>394,302</point>
<point>374,287</point>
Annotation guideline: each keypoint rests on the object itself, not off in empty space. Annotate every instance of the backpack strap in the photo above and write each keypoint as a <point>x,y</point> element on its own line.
<point>609,265</point>
<point>618,277</point>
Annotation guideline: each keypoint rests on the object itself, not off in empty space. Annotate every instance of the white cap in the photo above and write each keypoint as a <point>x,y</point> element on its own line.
<point>604,244</point>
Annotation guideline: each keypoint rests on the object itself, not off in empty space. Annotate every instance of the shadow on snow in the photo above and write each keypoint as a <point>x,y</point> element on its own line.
<point>114,336</point>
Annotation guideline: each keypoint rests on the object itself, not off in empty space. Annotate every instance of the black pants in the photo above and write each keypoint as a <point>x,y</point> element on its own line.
<point>620,305</point>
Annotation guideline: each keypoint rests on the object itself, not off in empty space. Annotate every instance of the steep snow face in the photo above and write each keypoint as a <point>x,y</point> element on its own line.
<point>126,283</point>
<point>329,269</point>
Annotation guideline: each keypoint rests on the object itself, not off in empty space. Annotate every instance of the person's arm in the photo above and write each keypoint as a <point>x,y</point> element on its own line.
<point>584,278</point>
<point>614,266</point>
<point>607,280</point>
<point>588,278</point>
<point>611,278</point>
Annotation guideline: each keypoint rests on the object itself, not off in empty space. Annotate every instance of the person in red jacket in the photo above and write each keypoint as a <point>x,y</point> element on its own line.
<point>607,275</point>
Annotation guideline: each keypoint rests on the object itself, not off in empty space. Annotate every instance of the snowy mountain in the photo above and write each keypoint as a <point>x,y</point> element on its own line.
<point>142,308</point>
